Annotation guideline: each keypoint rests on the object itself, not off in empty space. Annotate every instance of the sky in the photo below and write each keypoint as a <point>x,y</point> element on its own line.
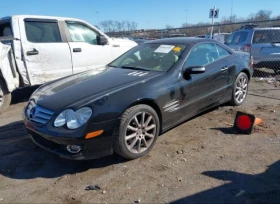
<point>147,13</point>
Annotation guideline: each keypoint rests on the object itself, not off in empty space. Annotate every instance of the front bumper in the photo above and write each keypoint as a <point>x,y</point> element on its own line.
<point>91,148</point>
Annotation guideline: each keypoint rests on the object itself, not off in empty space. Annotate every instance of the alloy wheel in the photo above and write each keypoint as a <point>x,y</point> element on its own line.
<point>241,89</point>
<point>140,132</point>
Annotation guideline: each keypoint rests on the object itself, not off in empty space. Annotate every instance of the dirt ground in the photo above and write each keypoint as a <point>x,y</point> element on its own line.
<point>200,161</point>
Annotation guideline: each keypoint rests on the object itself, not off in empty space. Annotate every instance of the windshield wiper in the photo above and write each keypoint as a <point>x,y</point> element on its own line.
<point>135,68</point>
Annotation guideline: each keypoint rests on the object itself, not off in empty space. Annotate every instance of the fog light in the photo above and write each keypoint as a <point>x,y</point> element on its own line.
<point>74,148</point>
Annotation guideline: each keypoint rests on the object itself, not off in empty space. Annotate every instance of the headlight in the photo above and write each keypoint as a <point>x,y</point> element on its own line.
<point>73,119</point>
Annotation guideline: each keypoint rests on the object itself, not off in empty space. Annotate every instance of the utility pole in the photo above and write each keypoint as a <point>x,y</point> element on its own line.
<point>231,9</point>
<point>186,17</point>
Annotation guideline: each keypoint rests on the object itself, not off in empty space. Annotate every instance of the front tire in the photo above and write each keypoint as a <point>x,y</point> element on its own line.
<point>137,132</point>
<point>240,89</point>
<point>5,97</point>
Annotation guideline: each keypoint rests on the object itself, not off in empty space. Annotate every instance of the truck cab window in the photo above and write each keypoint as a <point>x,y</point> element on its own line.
<point>82,33</point>
<point>42,32</point>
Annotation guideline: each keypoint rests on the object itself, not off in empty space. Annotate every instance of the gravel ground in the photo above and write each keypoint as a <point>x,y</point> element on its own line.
<point>200,161</point>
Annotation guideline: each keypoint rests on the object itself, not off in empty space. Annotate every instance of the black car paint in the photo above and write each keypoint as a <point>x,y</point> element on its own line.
<point>113,90</point>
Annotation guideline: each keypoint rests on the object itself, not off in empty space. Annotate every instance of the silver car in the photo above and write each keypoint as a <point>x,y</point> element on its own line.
<point>262,43</point>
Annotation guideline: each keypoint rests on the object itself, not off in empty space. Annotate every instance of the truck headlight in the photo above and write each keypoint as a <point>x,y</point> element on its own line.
<point>73,119</point>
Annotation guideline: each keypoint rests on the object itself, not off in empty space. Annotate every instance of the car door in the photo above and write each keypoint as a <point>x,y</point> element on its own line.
<point>86,52</point>
<point>45,50</point>
<point>202,91</point>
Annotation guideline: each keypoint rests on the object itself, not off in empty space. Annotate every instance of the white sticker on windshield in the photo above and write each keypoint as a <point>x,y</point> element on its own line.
<point>164,49</point>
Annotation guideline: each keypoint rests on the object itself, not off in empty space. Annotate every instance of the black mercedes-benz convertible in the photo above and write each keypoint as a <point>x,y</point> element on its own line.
<point>123,106</point>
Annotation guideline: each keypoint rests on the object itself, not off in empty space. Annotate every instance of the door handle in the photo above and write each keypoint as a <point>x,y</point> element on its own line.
<point>77,49</point>
<point>32,52</point>
<point>224,68</point>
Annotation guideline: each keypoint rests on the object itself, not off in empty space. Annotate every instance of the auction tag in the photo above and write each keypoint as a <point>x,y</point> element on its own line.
<point>164,49</point>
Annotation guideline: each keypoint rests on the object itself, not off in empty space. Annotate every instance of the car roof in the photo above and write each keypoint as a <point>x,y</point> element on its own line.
<point>40,17</point>
<point>181,40</point>
<point>265,28</point>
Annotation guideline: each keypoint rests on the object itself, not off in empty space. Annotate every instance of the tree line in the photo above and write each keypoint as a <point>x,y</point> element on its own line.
<point>192,29</point>
<point>118,26</point>
<point>261,15</point>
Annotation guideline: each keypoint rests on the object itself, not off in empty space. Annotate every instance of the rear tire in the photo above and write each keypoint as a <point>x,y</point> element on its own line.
<point>5,97</point>
<point>137,132</point>
<point>240,89</point>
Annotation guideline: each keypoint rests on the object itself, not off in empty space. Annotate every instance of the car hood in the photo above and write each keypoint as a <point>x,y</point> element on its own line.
<point>91,85</point>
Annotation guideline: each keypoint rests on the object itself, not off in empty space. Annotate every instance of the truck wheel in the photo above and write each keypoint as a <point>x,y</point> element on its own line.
<point>137,132</point>
<point>5,97</point>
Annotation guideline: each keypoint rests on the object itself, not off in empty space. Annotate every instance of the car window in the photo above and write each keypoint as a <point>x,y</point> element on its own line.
<point>202,55</point>
<point>267,36</point>
<point>150,56</point>
<point>243,37</point>
<point>222,53</point>
<point>82,33</point>
<point>236,38</point>
<point>230,38</point>
<point>42,32</point>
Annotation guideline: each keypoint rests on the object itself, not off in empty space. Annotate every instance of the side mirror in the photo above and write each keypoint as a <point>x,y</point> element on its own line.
<point>193,70</point>
<point>102,40</point>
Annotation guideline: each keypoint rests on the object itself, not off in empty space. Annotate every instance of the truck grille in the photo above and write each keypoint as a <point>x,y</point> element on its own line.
<point>38,114</point>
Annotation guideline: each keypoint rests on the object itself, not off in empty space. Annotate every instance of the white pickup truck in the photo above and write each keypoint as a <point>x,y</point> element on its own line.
<point>38,49</point>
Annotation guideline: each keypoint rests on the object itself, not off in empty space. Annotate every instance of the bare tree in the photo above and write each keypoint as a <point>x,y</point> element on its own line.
<point>169,26</point>
<point>128,26</point>
<point>123,25</point>
<point>134,25</point>
<point>184,25</point>
<point>104,25</point>
<point>118,26</point>
<point>262,15</point>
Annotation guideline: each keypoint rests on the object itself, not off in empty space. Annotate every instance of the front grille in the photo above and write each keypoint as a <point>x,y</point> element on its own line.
<point>38,114</point>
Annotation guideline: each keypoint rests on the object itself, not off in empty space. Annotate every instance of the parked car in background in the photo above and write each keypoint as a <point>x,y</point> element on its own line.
<point>262,43</point>
<point>124,106</point>
<point>221,37</point>
<point>39,49</point>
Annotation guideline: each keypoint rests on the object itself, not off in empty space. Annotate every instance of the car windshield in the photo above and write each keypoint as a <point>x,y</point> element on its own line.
<point>150,57</point>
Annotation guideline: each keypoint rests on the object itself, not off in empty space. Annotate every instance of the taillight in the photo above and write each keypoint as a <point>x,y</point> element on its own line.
<point>251,61</point>
<point>247,48</point>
